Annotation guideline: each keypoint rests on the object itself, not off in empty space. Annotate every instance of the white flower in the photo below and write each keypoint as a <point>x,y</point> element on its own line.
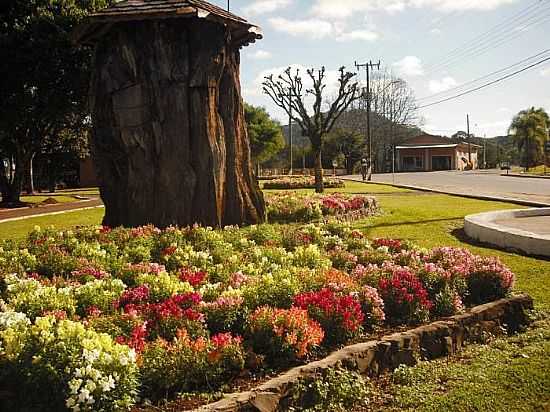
<point>74,385</point>
<point>84,395</point>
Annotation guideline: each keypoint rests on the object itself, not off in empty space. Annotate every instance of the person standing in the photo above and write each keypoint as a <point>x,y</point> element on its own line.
<point>364,168</point>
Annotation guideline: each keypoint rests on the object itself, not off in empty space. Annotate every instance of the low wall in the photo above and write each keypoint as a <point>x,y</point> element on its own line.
<point>437,339</point>
<point>483,227</point>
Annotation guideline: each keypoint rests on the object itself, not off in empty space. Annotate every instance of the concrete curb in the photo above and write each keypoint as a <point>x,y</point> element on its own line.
<point>482,227</point>
<point>520,202</point>
<point>522,175</point>
<point>437,339</point>
<point>13,219</point>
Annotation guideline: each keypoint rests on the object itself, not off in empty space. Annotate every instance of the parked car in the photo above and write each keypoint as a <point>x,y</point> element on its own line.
<point>505,166</point>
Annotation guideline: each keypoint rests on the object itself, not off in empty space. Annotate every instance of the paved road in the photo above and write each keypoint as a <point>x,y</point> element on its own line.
<point>477,182</point>
<point>6,214</point>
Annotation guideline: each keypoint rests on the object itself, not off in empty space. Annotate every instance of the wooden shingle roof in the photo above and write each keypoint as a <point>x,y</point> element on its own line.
<point>99,23</point>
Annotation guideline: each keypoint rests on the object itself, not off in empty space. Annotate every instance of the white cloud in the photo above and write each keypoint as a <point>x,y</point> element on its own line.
<point>260,55</point>
<point>312,28</point>
<point>365,35</point>
<point>319,29</point>
<point>545,72</point>
<point>265,6</point>
<point>347,8</point>
<point>435,31</point>
<point>438,86</point>
<point>409,66</point>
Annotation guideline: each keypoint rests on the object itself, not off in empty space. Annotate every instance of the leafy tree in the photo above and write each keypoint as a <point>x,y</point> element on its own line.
<point>265,134</point>
<point>529,130</point>
<point>347,143</point>
<point>44,88</point>
<point>287,92</point>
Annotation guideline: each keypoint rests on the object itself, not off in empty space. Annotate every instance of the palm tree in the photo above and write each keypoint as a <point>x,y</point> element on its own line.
<point>529,130</point>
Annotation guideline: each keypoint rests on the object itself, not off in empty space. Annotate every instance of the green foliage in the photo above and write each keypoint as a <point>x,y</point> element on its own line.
<point>44,83</point>
<point>265,134</point>
<point>529,129</point>
<point>347,143</point>
<point>332,390</point>
<point>59,365</point>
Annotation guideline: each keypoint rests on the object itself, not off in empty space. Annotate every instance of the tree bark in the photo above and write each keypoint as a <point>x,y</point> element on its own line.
<point>319,184</point>
<point>169,140</point>
<point>29,175</point>
<point>11,188</point>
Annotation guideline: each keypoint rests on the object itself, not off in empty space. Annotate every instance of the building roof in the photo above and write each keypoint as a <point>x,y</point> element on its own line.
<point>98,24</point>
<point>427,139</point>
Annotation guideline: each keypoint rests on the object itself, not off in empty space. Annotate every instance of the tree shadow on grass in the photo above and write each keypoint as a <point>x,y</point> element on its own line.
<point>413,222</point>
<point>461,235</point>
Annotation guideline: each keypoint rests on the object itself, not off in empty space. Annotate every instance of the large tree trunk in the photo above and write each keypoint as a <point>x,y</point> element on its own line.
<point>319,184</point>
<point>11,186</point>
<point>169,141</point>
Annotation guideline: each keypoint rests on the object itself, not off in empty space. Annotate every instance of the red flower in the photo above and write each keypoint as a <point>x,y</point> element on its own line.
<point>193,278</point>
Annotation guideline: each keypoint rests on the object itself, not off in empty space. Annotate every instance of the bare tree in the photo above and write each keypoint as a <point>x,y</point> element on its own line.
<point>286,91</point>
<point>395,115</point>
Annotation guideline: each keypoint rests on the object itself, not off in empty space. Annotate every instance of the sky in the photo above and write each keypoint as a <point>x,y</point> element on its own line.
<point>435,45</point>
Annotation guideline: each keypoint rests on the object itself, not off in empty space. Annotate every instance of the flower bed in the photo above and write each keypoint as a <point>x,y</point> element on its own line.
<point>95,319</point>
<point>293,207</point>
<point>302,182</point>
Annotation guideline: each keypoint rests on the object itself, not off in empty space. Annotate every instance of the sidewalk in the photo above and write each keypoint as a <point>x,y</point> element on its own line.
<point>26,212</point>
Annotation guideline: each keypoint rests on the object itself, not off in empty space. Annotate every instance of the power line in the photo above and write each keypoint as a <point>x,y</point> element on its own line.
<point>506,23</point>
<point>487,84</point>
<point>491,46</point>
<point>462,86</point>
<point>497,33</point>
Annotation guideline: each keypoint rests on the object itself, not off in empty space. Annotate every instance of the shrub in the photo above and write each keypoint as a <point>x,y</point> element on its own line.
<point>306,182</point>
<point>489,280</point>
<point>59,364</point>
<point>188,364</point>
<point>293,207</point>
<point>99,294</point>
<point>339,315</point>
<point>331,390</point>
<point>225,314</point>
<point>405,299</point>
<point>372,306</point>
<point>283,335</point>
<point>29,296</point>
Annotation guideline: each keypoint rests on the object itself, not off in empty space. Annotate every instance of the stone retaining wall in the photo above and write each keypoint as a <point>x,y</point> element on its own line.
<point>430,341</point>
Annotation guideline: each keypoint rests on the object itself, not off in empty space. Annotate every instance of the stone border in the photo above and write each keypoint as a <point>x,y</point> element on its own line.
<point>440,338</point>
<point>526,175</point>
<point>482,227</point>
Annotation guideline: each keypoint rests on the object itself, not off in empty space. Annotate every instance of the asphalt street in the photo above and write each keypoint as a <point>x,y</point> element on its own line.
<point>476,182</point>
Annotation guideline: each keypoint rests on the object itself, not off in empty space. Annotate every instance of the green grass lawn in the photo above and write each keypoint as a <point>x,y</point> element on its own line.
<point>508,374</point>
<point>539,170</point>
<point>18,229</point>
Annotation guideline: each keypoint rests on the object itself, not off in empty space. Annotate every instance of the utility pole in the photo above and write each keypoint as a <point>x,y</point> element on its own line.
<point>484,151</point>
<point>368,67</point>
<point>228,4</point>
<point>469,140</point>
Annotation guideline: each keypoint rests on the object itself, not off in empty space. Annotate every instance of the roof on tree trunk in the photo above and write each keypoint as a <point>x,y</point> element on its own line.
<point>98,24</point>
